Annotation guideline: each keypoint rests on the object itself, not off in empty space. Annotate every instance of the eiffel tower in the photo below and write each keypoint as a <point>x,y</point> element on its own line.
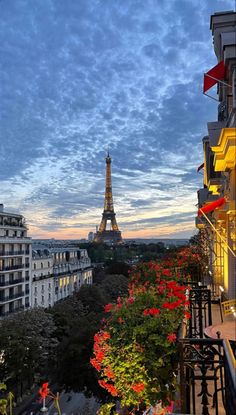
<point>112,236</point>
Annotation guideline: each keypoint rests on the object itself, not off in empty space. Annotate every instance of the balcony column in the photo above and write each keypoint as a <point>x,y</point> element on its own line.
<point>231,233</point>
<point>231,236</point>
<point>219,253</point>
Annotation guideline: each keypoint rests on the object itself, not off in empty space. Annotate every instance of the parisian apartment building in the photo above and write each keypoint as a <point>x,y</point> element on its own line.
<point>217,197</point>
<point>15,263</point>
<point>57,272</point>
<point>36,274</point>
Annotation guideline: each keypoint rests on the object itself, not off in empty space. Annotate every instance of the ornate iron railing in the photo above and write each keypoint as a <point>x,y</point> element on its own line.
<point>200,309</point>
<point>207,376</point>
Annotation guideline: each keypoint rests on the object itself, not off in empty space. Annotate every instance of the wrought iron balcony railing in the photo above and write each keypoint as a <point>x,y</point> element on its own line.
<point>11,282</point>
<point>207,376</point>
<point>13,253</point>
<point>11,297</point>
<point>207,366</point>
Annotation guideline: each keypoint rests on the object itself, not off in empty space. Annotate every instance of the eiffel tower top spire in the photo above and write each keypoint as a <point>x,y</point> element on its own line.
<point>113,235</point>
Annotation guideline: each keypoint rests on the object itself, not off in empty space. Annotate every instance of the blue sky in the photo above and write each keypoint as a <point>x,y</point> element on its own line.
<point>80,76</point>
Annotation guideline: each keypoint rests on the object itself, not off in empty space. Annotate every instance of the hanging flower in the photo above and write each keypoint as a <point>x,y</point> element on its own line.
<point>108,307</point>
<point>138,387</point>
<point>151,312</point>
<point>187,315</point>
<point>135,354</point>
<point>171,338</point>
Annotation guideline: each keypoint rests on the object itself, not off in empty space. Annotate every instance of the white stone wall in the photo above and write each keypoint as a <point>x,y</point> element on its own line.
<point>59,275</point>
<point>42,282</point>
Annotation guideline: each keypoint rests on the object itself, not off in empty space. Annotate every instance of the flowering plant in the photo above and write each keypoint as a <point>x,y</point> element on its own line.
<point>135,353</point>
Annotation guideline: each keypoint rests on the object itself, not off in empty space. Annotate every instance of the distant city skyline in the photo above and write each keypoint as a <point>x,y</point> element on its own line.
<point>78,77</point>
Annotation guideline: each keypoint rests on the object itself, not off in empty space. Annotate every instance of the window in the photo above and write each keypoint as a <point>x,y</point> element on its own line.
<point>34,266</point>
<point>42,299</point>
<point>41,265</point>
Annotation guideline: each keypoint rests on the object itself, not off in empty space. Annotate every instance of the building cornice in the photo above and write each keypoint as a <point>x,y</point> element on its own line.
<point>225,151</point>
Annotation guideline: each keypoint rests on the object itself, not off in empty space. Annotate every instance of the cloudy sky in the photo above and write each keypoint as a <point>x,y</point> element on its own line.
<point>78,77</point>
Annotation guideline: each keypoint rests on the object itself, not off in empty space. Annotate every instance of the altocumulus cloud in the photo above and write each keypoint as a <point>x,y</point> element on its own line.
<point>78,77</point>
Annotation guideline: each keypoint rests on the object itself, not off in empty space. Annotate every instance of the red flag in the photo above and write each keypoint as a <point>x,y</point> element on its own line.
<point>213,76</point>
<point>211,206</point>
<point>200,167</point>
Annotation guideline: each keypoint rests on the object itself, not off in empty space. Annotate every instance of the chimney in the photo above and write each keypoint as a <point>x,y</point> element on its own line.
<point>1,207</point>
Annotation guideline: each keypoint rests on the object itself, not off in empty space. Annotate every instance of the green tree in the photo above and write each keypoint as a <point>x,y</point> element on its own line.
<point>114,267</point>
<point>115,286</point>
<point>77,320</point>
<point>27,345</point>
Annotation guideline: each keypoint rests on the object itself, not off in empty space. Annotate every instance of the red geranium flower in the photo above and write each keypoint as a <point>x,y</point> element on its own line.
<point>166,272</point>
<point>109,373</point>
<point>151,312</point>
<point>138,387</point>
<point>171,338</point>
<point>154,311</point>
<point>130,300</point>
<point>108,308</point>
<point>95,364</point>
<point>187,314</point>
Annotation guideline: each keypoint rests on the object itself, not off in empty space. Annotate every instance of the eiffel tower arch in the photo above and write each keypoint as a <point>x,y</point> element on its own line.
<point>112,236</point>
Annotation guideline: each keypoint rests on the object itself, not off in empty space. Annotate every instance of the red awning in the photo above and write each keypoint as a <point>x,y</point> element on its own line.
<point>200,167</point>
<point>213,76</point>
<point>211,206</point>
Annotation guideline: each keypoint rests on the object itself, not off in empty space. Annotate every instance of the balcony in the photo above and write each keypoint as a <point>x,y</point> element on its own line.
<point>11,282</point>
<point>13,253</point>
<point>13,267</point>
<point>12,224</point>
<point>214,185</point>
<point>207,365</point>
<point>11,297</point>
<point>15,310</point>
<point>42,277</point>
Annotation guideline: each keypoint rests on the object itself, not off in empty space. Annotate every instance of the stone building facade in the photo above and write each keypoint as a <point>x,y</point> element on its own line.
<point>57,272</point>
<point>220,163</point>
<point>42,277</point>
<point>15,263</point>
